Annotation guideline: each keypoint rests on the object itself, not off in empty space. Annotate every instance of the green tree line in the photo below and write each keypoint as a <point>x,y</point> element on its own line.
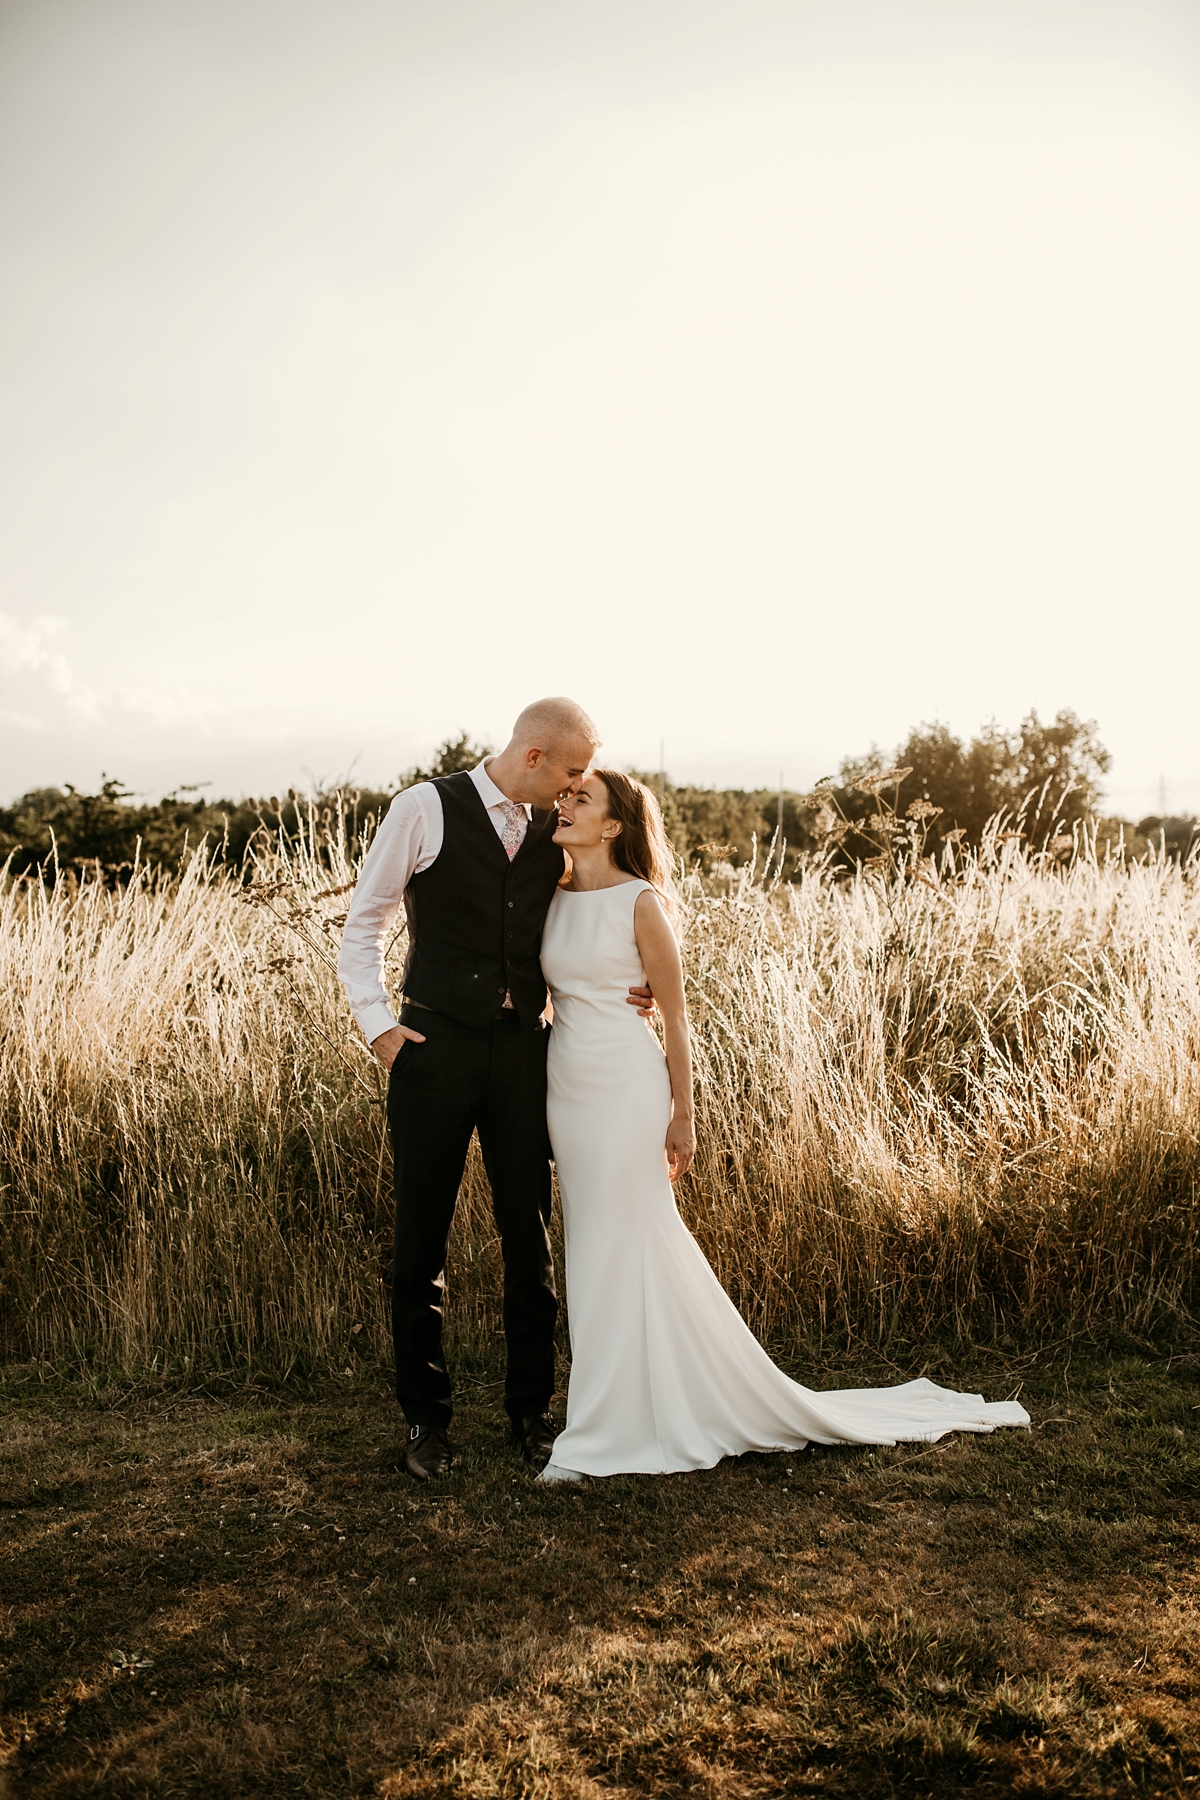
<point>1042,780</point>
<point>934,789</point>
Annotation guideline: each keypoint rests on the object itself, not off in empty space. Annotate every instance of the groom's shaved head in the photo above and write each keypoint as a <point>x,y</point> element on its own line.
<point>552,744</point>
<point>548,724</point>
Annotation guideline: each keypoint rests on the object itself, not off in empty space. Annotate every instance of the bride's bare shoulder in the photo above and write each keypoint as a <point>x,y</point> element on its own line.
<point>649,910</point>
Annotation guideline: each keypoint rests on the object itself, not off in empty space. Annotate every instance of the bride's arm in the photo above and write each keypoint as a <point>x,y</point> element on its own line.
<point>659,951</point>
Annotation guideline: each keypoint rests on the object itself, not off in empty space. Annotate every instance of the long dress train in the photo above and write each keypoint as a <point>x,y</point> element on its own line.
<point>665,1373</point>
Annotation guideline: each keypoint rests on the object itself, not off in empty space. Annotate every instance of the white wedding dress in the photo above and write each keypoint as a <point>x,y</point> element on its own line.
<point>665,1373</point>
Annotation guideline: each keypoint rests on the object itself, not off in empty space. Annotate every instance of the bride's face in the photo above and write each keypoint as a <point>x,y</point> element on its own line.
<point>583,820</point>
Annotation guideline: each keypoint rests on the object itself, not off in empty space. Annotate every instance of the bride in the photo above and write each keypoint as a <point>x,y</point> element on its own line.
<point>665,1374</point>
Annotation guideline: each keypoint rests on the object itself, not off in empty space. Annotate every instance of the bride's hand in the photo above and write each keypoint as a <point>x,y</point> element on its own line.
<point>681,1147</point>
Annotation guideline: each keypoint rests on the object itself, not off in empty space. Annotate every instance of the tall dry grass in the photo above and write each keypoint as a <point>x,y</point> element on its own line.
<point>960,1103</point>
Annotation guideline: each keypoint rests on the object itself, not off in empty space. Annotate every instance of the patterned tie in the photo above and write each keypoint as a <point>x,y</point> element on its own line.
<point>514,822</point>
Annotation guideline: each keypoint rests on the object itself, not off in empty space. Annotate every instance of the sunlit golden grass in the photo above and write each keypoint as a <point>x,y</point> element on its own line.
<point>964,1102</point>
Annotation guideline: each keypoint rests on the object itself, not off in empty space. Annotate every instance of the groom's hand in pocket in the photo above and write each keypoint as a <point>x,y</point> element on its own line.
<point>387,1045</point>
<point>643,999</point>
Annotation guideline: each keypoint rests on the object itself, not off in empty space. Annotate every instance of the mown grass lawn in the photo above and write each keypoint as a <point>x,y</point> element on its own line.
<point>241,1595</point>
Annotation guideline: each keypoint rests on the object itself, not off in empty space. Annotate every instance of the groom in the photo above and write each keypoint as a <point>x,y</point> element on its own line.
<point>473,858</point>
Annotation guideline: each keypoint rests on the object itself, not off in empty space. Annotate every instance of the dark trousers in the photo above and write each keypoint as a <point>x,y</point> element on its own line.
<point>457,1081</point>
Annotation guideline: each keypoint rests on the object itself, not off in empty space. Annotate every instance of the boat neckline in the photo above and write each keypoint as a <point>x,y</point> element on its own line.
<point>609,888</point>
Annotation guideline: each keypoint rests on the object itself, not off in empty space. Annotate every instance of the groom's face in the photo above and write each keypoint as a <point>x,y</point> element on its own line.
<point>560,769</point>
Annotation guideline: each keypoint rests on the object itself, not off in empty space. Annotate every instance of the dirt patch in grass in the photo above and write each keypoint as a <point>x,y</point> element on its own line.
<point>243,1596</point>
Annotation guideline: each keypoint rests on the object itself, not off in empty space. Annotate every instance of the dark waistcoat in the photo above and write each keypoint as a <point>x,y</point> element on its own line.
<point>475,918</point>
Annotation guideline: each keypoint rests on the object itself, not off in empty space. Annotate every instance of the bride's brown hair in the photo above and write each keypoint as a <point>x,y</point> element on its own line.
<point>641,847</point>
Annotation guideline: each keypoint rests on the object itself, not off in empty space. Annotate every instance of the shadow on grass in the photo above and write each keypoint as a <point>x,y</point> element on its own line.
<point>241,1595</point>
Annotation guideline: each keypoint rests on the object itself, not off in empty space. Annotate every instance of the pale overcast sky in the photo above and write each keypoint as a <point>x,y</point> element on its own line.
<point>767,374</point>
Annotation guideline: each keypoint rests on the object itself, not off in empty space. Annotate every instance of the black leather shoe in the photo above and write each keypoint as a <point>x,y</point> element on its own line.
<point>536,1437</point>
<point>429,1452</point>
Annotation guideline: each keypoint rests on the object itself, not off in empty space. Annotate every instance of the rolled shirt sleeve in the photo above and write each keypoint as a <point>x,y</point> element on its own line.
<point>407,841</point>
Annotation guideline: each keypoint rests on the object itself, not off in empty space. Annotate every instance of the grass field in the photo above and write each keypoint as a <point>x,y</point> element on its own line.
<point>241,1596</point>
<point>953,1099</point>
<point>950,1105</point>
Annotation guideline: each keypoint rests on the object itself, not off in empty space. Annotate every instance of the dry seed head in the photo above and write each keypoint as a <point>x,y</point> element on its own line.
<point>874,784</point>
